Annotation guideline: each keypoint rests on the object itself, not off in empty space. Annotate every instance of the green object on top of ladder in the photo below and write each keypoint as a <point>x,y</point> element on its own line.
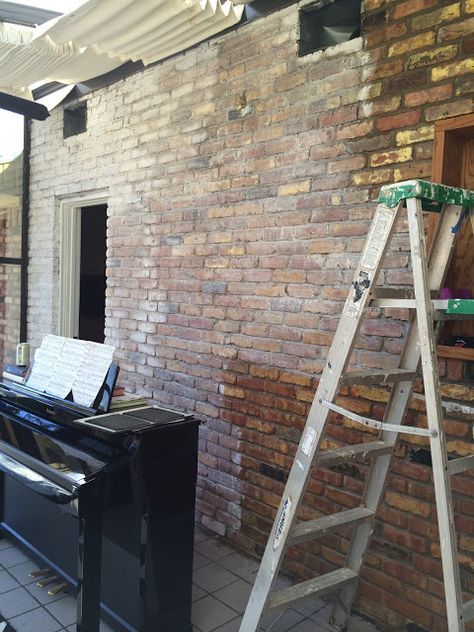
<point>433,196</point>
<point>460,306</point>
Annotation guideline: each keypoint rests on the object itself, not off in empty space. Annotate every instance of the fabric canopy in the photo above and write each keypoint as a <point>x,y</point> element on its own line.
<point>103,34</point>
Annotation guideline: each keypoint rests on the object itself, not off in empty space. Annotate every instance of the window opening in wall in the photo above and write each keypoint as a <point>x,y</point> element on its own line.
<point>327,23</point>
<point>75,120</point>
<point>13,219</point>
<point>453,164</point>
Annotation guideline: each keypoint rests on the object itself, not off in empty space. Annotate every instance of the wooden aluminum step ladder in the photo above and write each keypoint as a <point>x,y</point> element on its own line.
<point>428,275</point>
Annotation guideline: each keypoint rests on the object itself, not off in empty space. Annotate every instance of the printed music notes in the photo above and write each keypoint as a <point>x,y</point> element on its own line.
<point>63,365</point>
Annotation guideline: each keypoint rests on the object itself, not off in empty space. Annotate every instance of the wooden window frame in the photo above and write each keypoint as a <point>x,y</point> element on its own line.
<point>448,137</point>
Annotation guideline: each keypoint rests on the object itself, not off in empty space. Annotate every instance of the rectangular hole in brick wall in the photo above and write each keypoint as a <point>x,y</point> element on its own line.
<point>328,23</point>
<point>75,120</point>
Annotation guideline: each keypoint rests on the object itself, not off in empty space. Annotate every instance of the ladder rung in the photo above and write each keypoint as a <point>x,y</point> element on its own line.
<point>461,464</point>
<point>397,293</point>
<point>378,377</point>
<point>450,309</point>
<point>449,406</point>
<point>312,529</point>
<point>335,456</point>
<point>439,314</point>
<point>380,425</point>
<point>407,303</point>
<point>318,586</point>
<point>468,610</point>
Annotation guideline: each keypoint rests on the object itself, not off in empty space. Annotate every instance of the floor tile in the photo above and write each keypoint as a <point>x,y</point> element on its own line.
<point>201,534</point>
<point>12,557</point>
<point>37,620</point>
<point>240,565</point>
<point>199,560</point>
<point>5,544</point>
<point>310,626</point>
<point>231,626</point>
<point>198,593</point>
<point>209,613</point>
<point>213,549</point>
<point>323,614</point>
<point>16,602</point>
<point>282,621</point>
<point>7,582</point>
<point>310,605</point>
<point>22,573</point>
<point>64,610</point>
<point>236,595</point>
<point>104,627</point>
<point>213,577</point>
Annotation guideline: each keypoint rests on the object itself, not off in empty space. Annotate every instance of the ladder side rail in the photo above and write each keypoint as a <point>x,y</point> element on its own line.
<point>439,455</point>
<point>401,393</point>
<point>380,233</point>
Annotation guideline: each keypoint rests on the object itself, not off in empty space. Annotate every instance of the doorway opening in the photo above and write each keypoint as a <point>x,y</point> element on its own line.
<point>83,270</point>
<point>453,164</point>
<point>92,281</point>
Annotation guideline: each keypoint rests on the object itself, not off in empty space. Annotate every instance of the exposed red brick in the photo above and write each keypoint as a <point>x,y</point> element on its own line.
<point>395,121</point>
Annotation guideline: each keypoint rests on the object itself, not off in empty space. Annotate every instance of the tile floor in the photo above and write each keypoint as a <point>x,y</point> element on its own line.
<point>222,582</point>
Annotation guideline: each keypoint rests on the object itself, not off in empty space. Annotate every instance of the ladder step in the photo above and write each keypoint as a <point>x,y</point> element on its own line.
<point>380,425</point>
<point>317,586</point>
<point>312,529</point>
<point>397,293</point>
<point>443,309</point>
<point>468,610</point>
<point>378,377</point>
<point>461,464</point>
<point>449,406</point>
<point>407,303</point>
<point>335,456</point>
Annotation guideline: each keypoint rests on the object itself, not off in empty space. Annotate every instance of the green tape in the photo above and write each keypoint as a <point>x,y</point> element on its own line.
<point>433,196</point>
<point>460,306</point>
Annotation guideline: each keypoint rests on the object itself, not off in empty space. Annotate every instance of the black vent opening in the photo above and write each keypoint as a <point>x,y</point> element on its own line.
<point>75,120</point>
<point>328,23</point>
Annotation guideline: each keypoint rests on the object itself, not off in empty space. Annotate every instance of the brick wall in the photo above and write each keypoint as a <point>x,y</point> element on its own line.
<point>240,182</point>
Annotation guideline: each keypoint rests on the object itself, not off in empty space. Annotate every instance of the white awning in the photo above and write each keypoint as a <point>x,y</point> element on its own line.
<point>102,34</point>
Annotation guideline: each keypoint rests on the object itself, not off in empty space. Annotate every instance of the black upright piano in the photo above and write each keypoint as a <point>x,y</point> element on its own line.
<point>106,501</point>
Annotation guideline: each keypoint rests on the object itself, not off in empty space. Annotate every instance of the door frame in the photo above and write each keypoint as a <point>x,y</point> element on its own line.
<point>447,168</point>
<point>70,260</point>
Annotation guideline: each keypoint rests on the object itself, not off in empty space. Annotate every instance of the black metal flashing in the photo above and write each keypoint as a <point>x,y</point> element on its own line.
<point>23,106</point>
<point>24,14</point>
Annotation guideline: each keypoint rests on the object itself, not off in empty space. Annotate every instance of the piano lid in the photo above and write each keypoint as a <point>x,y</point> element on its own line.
<point>48,454</point>
<point>38,431</point>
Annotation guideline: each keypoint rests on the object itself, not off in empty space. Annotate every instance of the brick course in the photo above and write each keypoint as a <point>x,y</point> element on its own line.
<point>232,236</point>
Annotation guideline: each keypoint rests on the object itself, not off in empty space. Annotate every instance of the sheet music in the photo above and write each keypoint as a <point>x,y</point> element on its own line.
<point>92,373</point>
<point>45,359</point>
<point>63,365</point>
<point>66,368</point>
